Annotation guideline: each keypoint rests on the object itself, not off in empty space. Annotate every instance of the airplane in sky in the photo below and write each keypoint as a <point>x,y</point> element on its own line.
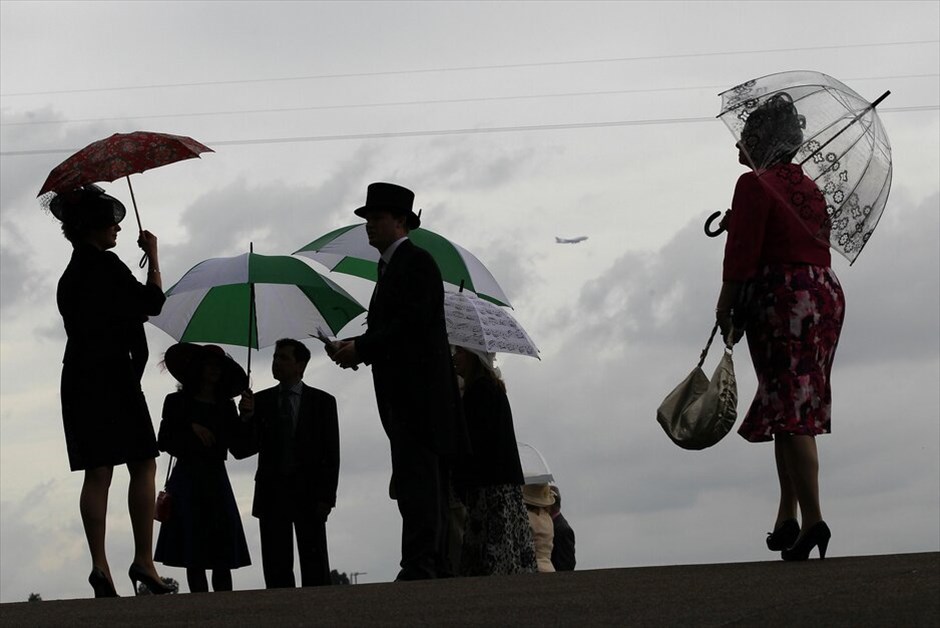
<point>570,240</point>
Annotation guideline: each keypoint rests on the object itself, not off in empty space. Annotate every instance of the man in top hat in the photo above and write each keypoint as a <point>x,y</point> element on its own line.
<point>415,383</point>
<point>295,432</point>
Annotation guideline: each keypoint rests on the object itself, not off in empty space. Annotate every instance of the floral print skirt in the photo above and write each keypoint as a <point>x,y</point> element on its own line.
<point>793,328</point>
<point>497,537</point>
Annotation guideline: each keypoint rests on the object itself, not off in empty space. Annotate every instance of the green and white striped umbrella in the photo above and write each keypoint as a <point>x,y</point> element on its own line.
<point>347,250</point>
<point>252,301</point>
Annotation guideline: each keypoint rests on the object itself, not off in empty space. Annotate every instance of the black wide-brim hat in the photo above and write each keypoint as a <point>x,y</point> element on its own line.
<point>391,198</point>
<point>184,360</point>
<point>87,207</point>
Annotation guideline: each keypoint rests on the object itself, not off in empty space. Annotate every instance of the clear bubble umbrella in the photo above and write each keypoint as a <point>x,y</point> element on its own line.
<point>534,468</point>
<point>843,147</point>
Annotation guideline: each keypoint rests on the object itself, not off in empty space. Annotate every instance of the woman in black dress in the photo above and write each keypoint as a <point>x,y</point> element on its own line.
<point>104,412</point>
<point>204,530</point>
<point>497,537</point>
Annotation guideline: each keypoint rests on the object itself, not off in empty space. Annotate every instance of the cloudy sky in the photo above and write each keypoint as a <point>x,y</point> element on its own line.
<point>513,123</point>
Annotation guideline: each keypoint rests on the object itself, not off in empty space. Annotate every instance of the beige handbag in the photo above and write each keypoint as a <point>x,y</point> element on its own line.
<point>699,412</point>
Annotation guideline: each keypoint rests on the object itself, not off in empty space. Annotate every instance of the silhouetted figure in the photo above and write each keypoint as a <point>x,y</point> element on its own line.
<point>294,429</point>
<point>538,499</point>
<point>415,385</point>
<point>199,427</point>
<point>563,541</point>
<point>778,286</point>
<point>497,537</point>
<point>104,412</point>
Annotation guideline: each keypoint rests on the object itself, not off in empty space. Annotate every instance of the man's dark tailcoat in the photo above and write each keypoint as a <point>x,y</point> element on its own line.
<point>418,400</point>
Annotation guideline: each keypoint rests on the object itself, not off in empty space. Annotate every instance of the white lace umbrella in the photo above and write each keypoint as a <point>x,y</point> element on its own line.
<point>477,324</point>
<point>534,468</point>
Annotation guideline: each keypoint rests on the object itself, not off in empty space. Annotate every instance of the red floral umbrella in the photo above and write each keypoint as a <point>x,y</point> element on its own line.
<point>121,155</point>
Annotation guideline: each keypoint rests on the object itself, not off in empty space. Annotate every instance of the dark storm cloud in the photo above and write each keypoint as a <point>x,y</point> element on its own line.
<point>15,273</point>
<point>277,219</point>
<point>891,292</point>
<point>659,298</point>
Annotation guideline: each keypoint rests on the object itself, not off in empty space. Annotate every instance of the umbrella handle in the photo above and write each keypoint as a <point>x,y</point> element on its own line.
<point>143,258</point>
<point>713,233</point>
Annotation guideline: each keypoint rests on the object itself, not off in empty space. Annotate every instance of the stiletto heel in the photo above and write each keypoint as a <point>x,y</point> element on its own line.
<point>157,587</point>
<point>100,583</point>
<point>783,535</point>
<point>817,536</point>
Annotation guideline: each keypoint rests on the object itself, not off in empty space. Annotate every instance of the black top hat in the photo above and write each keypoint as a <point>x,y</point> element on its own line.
<point>184,359</point>
<point>391,198</point>
<point>87,207</point>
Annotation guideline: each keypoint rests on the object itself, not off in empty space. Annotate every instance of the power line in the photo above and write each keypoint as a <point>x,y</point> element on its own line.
<point>442,132</point>
<point>419,102</point>
<point>503,66</point>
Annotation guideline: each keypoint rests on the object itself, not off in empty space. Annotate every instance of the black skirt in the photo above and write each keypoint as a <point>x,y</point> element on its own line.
<point>104,429</point>
<point>205,528</point>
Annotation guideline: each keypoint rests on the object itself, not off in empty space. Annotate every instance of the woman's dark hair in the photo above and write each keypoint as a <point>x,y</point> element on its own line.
<point>484,373</point>
<point>72,233</point>
<point>773,132</point>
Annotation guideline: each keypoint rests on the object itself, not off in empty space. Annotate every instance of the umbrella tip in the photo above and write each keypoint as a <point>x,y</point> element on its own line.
<point>880,98</point>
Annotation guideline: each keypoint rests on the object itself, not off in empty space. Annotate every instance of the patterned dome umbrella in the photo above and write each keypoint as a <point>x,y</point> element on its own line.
<point>843,147</point>
<point>477,324</point>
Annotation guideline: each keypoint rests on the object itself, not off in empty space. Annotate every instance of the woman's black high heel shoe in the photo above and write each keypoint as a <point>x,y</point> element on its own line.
<point>783,535</point>
<point>157,587</point>
<point>100,583</point>
<point>817,536</point>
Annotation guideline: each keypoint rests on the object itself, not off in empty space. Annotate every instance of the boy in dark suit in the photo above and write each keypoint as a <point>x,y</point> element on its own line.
<point>295,432</point>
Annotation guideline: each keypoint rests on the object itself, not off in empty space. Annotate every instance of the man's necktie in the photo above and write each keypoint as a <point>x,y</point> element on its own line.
<point>285,431</point>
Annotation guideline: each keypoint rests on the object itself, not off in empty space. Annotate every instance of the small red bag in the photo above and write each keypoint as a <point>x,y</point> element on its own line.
<point>163,507</point>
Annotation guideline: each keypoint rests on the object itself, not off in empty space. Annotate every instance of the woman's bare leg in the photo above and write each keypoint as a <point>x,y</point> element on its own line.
<point>140,499</point>
<point>93,505</point>
<point>788,500</point>
<point>803,465</point>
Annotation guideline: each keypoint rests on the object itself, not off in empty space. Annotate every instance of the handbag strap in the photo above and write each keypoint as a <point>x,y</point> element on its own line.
<point>168,467</point>
<point>701,359</point>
